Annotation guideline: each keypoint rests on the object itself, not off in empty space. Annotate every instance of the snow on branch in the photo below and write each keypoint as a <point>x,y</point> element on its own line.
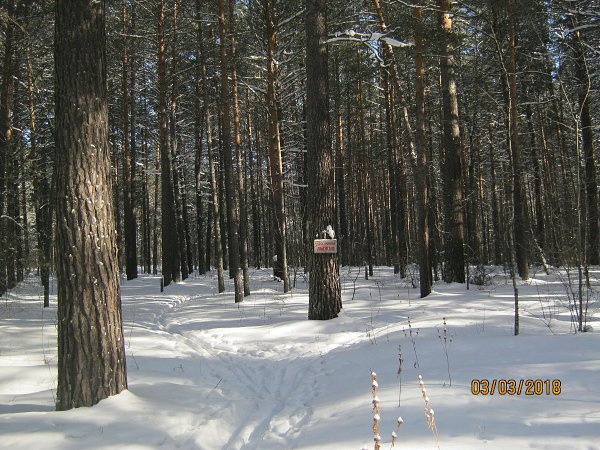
<point>351,35</point>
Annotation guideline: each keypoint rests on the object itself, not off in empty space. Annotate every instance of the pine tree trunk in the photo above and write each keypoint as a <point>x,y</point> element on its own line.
<point>521,219</point>
<point>203,264</point>
<point>6,102</point>
<point>537,184</point>
<point>254,190</point>
<point>339,171</point>
<point>401,206</point>
<point>41,193</point>
<point>174,150</point>
<point>216,205</point>
<point>241,184</point>
<point>171,256</point>
<point>454,268</point>
<point>324,282</point>
<point>91,353</point>
<point>231,188</point>
<point>280,266</point>
<point>422,188</point>
<point>130,223</point>
<point>496,231</point>
<point>591,186</point>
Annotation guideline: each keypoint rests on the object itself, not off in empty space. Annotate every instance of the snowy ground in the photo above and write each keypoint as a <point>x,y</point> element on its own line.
<point>205,374</point>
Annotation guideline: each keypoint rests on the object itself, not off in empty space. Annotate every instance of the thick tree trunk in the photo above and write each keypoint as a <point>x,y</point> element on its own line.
<point>422,188</point>
<point>454,267</point>
<point>324,300</point>
<point>91,353</point>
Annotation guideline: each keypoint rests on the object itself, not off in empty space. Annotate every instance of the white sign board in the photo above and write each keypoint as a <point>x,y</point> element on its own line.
<point>325,246</point>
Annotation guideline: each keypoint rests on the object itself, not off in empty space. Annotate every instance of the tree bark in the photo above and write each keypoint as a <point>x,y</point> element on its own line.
<point>591,186</point>
<point>339,171</point>
<point>231,188</point>
<point>6,104</point>
<point>422,188</point>
<point>203,263</point>
<point>91,353</point>
<point>129,162</point>
<point>171,256</point>
<point>324,283</point>
<point>41,193</point>
<point>280,266</point>
<point>241,184</point>
<point>521,219</point>
<point>454,270</point>
<point>174,150</point>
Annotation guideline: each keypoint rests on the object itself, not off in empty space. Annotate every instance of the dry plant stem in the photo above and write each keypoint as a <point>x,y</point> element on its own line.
<point>400,422</point>
<point>429,412</point>
<point>445,342</point>
<point>400,361</point>
<point>414,344</point>
<point>376,417</point>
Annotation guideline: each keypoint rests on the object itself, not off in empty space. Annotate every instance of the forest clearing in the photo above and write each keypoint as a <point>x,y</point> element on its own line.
<point>270,224</point>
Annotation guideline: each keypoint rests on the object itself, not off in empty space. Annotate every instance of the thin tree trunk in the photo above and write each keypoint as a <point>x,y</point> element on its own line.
<point>241,185</point>
<point>231,187</point>
<point>591,185</point>
<point>280,266</point>
<point>402,206</point>
<point>254,196</point>
<point>216,204</point>
<point>129,162</point>
<point>41,193</point>
<point>422,187</point>
<point>339,170</point>
<point>6,104</point>
<point>174,151</point>
<point>203,264</point>
<point>537,184</point>
<point>497,233</point>
<point>171,256</point>
<point>519,196</point>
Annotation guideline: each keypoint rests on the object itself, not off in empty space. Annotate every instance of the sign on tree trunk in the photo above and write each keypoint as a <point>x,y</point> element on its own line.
<point>325,246</point>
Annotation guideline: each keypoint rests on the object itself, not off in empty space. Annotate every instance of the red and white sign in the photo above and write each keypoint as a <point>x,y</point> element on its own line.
<point>325,245</point>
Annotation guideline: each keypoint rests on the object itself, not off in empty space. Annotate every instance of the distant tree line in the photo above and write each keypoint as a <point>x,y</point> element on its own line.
<point>461,133</point>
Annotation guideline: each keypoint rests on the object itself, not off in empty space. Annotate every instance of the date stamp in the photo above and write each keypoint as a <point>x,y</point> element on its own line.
<point>515,387</point>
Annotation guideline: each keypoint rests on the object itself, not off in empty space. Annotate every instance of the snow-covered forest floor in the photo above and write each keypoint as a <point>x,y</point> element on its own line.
<point>205,373</point>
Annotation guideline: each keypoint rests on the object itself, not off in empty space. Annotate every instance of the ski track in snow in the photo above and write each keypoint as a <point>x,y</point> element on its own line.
<point>283,388</point>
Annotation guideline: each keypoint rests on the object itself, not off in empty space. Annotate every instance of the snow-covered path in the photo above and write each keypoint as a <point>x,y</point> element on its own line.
<point>205,373</point>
